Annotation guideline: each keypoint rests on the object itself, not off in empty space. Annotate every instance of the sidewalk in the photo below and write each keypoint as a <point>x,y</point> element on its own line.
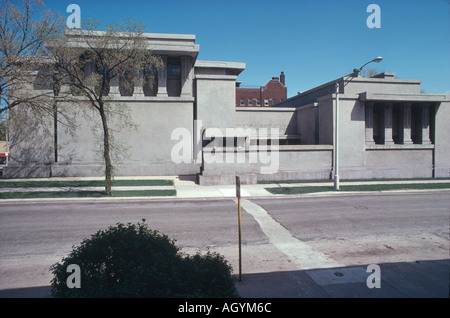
<point>187,188</point>
<point>421,279</point>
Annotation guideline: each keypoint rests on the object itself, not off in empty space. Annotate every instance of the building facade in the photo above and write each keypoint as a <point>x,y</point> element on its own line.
<point>387,127</point>
<point>273,92</point>
<point>189,124</point>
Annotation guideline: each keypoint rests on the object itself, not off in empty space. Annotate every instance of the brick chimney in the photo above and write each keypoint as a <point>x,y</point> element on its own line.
<point>282,78</point>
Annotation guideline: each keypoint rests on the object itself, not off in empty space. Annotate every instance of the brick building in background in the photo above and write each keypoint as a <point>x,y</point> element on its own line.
<point>270,94</point>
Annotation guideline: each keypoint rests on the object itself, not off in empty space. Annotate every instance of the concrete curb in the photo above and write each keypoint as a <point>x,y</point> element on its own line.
<point>229,197</point>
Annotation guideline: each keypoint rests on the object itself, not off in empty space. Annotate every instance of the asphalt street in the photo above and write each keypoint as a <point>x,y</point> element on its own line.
<point>371,228</point>
<point>330,231</point>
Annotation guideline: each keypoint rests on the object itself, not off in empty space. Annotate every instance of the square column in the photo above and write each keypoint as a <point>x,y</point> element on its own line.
<point>369,123</point>
<point>114,86</point>
<point>388,108</point>
<point>187,75</point>
<point>406,121</point>
<point>139,84</point>
<point>426,124</point>
<point>162,79</point>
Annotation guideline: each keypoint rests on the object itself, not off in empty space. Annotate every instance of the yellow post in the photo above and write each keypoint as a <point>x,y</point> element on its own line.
<point>240,252</point>
<point>238,195</point>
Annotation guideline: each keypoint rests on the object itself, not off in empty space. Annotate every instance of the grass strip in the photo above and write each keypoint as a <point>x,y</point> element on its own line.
<point>346,180</point>
<point>366,187</point>
<point>293,181</point>
<point>83,183</point>
<point>87,194</point>
<point>384,187</point>
<point>299,190</point>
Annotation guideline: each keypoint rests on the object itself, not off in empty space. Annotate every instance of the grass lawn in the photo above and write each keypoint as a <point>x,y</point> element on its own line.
<point>78,193</point>
<point>366,187</point>
<point>86,194</point>
<point>82,183</point>
<point>294,181</point>
<point>346,180</point>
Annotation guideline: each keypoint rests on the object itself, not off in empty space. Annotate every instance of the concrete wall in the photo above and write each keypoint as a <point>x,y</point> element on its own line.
<point>276,117</point>
<point>145,152</point>
<point>30,133</point>
<point>303,162</point>
<point>351,134</point>
<point>325,120</point>
<point>144,144</point>
<point>31,144</point>
<point>215,100</point>
<point>415,161</point>
<point>308,124</point>
<point>442,140</point>
<point>147,146</point>
<point>381,85</point>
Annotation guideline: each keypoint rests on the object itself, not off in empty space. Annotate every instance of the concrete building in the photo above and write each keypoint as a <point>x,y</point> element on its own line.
<point>186,90</point>
<point>387,128</point>
<point>273,92</point>
<point>189,125</point>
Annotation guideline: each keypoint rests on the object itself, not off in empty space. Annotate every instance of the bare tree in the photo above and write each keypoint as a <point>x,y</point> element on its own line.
<point>22,49</point>
<point>370,71</point>
<point>88,59</point>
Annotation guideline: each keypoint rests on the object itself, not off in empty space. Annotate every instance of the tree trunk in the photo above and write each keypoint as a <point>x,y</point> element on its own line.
<point>106,152</point>
<point>55,130</point>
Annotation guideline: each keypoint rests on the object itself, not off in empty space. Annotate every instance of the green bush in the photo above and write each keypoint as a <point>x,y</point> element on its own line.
<point>133,261</point>
<point>206,276</point>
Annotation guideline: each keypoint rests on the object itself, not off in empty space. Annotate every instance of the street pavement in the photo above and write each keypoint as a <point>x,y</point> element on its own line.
<point>420,279</point>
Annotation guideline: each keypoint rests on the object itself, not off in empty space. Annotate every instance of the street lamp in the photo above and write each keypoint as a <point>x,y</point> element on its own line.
<point>355,73</point>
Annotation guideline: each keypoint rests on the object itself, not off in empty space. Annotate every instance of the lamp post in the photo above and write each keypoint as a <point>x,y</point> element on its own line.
<point>355,73</point>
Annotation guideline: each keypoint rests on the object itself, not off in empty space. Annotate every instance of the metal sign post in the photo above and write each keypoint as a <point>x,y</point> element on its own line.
<point>238,195</point>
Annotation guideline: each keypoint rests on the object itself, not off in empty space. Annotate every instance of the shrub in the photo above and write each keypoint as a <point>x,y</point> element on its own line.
<point>206,276</point>
<point>134,261</point>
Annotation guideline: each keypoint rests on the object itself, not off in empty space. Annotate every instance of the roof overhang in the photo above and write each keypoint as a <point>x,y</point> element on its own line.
<point>415,98</point>
<point>158,43</point>
<point>228,68</point>
<point>232,68</point>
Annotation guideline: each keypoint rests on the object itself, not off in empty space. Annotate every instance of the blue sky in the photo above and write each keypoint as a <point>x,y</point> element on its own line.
<point>313,42</point>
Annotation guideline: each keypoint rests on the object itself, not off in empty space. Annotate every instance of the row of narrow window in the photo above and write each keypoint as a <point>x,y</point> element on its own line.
<point>127,83</point>
<point>398,125</point>
<point>267,101</point>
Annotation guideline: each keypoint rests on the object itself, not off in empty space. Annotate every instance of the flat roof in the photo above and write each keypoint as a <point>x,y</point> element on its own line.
<point>159,43</point>
<point>167,36</point>
<point>368,96</point>
<point>220,64</point>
